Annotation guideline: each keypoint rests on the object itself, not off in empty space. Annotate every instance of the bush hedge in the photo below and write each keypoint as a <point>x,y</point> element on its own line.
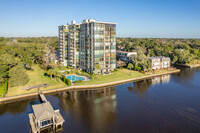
<point>65,80</point>
<point>78,81</point>
<point>4,88</point>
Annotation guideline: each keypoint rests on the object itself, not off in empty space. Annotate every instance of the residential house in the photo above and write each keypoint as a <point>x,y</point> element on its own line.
<point>123,55</point>
<point>159,62</point>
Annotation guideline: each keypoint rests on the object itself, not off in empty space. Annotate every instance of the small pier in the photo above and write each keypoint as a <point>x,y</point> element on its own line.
<point>44,118</point>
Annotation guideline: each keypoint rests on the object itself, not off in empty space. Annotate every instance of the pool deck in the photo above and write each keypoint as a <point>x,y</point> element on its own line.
<point>78,87</point>
<point>85,78</point>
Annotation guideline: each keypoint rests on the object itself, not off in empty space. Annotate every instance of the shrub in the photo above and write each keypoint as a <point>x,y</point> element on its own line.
<point>78,81</point>
<point>66,80</point>
<point>4,88</point>
<point>77,72</point>
<point>143,72</point>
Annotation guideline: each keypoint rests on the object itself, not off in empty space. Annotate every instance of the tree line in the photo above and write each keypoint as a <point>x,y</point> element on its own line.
<point>180,51</point>
<point>19,54</point>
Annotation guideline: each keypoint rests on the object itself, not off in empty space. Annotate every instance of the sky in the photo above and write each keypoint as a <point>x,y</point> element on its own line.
<point>134,18</point>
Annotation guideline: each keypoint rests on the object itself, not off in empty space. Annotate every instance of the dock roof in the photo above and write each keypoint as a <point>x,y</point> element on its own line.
<point>43,111</point>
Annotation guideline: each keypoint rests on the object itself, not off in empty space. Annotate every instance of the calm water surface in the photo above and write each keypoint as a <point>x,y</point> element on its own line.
<point>166,104</point>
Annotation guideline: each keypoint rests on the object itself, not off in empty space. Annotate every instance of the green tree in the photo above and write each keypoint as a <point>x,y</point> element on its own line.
<point>55,72</point>
<point>162,47</point>
<point>3,73</point>
<point>141,61</point>
<point>151,52</point>
<point>167,49</point>
<point>1,39</point>
<point>182,56</point>
<point>175,58</point>
<point>130,66</point>
<point>198,55</point>
<point>50,72</point>
<point>97,67</point>
<point>18,76</point>
<point>9,60</point>
<point>59,74</point>
<point>66,72</point>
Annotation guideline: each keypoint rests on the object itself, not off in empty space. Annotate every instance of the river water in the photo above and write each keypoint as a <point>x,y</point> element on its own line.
<point>165,104</point>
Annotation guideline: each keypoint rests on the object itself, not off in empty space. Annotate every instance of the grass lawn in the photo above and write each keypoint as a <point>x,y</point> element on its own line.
<point>120,74</point>
<point>2,91</point>
<point>36,78</point>
<point>161,71</point>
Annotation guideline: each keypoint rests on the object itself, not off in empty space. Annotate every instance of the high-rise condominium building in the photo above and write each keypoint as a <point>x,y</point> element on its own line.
<point>87,44</point>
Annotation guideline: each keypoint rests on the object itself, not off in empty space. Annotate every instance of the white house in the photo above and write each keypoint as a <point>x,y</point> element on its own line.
<point>123,55</point>
<point>159,62</point>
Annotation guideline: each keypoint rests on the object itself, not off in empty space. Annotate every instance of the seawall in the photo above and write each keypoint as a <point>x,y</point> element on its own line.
<point>188,66</point>
<point>78,87</point>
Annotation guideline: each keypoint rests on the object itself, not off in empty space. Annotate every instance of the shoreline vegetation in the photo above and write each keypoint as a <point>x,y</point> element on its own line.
<point>194,64</point>
<point>188,65</point>
<point>33,93</point>
<point>38,76</point>
<point>32,61</point>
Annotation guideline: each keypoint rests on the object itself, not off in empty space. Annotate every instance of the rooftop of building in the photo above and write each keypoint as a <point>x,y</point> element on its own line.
<point>43,111</point>
<point>93,20</point>
<point>73,22</point>
<point>125,51</point>
<point>159,57</point>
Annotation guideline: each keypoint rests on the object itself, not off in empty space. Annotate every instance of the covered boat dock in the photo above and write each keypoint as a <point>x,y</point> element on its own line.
<point>44,117</point>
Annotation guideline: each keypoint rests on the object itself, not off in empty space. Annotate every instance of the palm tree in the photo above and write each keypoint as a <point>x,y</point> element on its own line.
<point>54,73</point>
<point>50,72</point>
<point>66,72</point>
<point>59,74</point>
<point>72,72</point>
<point>130,66</point>
<point>97,67</point>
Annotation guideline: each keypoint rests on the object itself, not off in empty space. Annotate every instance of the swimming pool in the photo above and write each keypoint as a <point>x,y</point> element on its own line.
<point>74,77</point>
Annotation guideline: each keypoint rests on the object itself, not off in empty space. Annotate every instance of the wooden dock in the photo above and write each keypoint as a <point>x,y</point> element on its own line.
<point>44,117</point>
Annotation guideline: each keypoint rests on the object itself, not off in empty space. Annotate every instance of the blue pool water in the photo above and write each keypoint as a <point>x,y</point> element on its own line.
<point>74,77</point>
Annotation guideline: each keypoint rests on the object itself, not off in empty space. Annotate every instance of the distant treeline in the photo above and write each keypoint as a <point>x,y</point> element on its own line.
<point>181,51</point>
<point>20,54</point>
<point>52,41</point>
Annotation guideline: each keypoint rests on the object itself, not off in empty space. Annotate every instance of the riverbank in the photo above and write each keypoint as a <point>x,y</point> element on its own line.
<point>188,66</point>
<point>118,75</point>
<point>194,66</point>
<point>37,76</point>
<point>79,87</point>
